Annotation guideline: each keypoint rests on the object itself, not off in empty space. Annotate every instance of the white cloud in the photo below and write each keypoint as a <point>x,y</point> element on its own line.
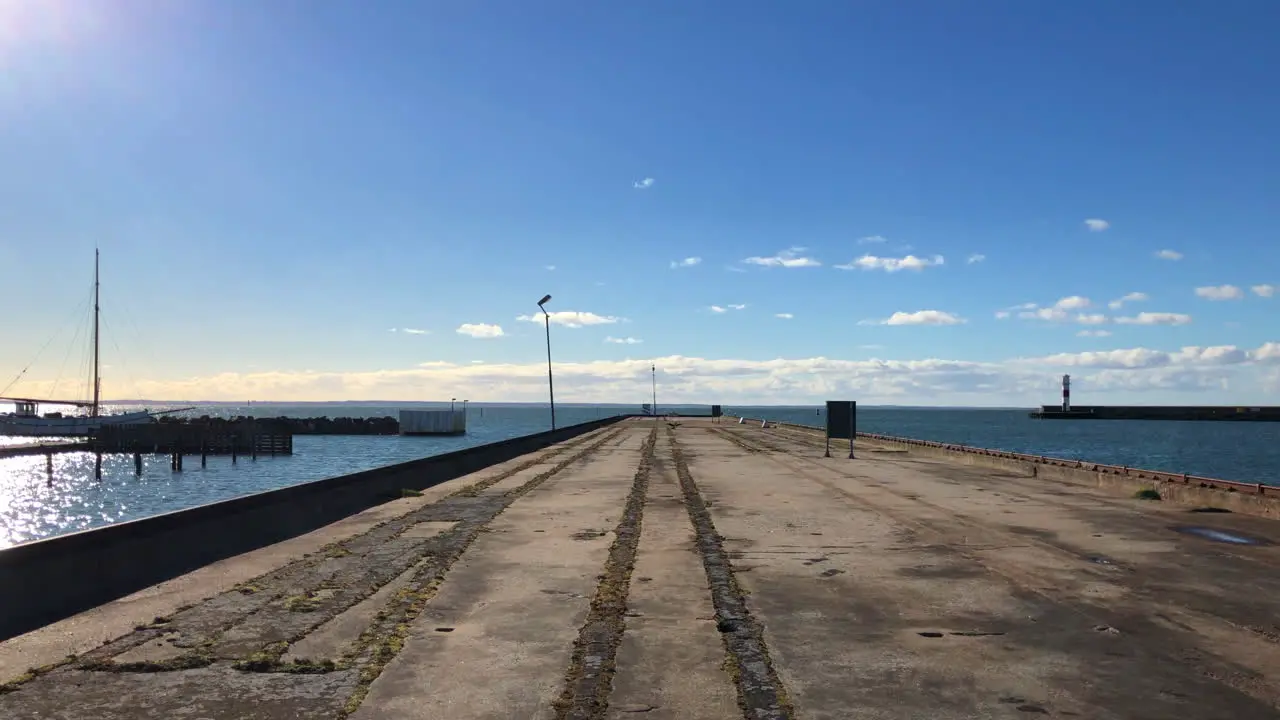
<point>784,316</point>
<point>480,330</point>
<point>872,240</point>
<point>1074,302</point>
<point>719,309</point>
<point>1096,224</point>
<point>1155,318</point>
<point>551,267</point>
<point>1094,333</point>
<point>1168,254</point>
<point>623,340</point>
<point>738,307</point>
<point>1060,311</point>
<point>1192,376</point>
<point>1002,314</point>
<point>888,264</point>
<point>644,184</point>
<point>726,308</point>
<point>790,258</point>
<point>923,317</point>
<point>573,319</point>
<point>976,258</point>
<point>1131,297</point>
<point>1265,291</point>
<point>1143,358</point>
<point>1220,292</point>
<point>415,331</point>
<point>687,262</point>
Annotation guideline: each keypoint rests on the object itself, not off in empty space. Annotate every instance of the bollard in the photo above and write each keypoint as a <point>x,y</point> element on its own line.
<point>137,463</point>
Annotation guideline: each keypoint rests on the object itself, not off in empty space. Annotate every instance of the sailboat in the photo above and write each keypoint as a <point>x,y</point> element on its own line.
<point>27,421</point>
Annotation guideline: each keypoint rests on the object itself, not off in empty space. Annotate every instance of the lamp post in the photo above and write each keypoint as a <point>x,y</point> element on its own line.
<point>653,375</point>
<point>551,388</point>
<point>451,402</point>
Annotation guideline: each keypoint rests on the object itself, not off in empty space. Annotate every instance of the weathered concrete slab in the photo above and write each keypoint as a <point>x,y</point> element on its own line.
<point>671,662</point>
<point>511,608</point>
<point>1076,607</point>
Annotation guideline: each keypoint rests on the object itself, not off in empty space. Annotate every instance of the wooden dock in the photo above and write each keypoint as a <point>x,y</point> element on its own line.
<point>245,437</point>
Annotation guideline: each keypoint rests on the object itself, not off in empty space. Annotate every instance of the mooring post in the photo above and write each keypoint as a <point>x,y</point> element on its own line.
<point>233,449</point>
<point>137,463</point>
<point>253,446</point>
<point>97,467</point>
<point>204,453</point>
<point>48,465</point>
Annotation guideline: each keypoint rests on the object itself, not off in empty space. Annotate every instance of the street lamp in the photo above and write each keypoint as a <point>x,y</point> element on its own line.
<point>551,388</point>
<point>653,374</point>
<point>451,402</point>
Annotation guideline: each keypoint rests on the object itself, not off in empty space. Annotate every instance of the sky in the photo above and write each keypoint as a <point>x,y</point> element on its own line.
<point>891,201</point>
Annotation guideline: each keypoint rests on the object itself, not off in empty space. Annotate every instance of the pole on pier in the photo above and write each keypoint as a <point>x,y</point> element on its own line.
<point>137,463</point>
<point>853,425</point>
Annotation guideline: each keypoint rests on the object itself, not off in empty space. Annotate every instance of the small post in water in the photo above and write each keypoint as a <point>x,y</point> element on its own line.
<point>204,454</point>
<point>97,467</point>
<point>137,463</point>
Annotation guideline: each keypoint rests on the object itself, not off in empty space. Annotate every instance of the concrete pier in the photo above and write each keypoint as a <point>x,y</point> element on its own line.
<point>688,569</point>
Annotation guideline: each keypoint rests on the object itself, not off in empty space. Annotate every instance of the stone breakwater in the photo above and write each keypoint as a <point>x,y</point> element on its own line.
<point>301,426</point>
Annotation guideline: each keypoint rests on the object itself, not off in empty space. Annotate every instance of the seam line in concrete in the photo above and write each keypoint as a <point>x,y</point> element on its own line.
<point>589,679</point>
<point>761,694</point>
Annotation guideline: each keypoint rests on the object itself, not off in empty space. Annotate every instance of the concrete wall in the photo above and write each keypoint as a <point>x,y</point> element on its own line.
<point>47,580</point>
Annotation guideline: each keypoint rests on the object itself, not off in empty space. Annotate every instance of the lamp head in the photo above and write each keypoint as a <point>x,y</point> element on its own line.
<point>545,299</point>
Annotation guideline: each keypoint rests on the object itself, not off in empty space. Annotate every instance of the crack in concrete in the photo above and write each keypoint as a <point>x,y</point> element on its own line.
<point>589,679</point>
<point>761,694</point>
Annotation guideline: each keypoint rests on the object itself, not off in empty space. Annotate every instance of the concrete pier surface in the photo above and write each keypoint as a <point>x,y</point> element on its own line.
<point>695,569</point>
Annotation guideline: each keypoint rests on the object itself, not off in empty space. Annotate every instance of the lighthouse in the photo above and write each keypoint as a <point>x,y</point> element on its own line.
<point>1066,393</point>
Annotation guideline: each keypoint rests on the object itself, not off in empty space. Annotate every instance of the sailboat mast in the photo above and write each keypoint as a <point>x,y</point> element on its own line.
<point>97,381</point>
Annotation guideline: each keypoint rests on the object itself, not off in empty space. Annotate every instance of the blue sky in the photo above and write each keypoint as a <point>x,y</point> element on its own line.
<point>275,186</point>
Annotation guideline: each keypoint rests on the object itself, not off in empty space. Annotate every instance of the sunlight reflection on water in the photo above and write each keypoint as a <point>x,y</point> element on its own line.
<point>32,506</point>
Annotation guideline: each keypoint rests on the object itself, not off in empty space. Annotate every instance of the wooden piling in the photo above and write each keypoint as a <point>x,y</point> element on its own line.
<point>137,463</point>
<point>204,454</point>
<point>97,467</point>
